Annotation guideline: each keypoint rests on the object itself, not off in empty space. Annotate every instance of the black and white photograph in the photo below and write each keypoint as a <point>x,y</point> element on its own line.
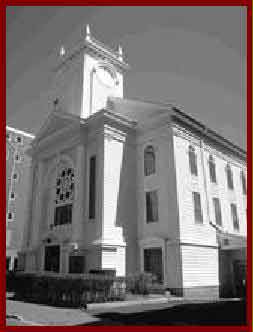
<point>126,165</point>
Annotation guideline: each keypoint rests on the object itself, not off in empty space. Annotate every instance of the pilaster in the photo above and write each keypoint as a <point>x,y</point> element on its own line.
<point>78,206</point>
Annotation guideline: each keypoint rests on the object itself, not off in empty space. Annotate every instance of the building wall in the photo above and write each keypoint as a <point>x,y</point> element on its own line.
<point>119,197</point>
<point>165,232</point>
<point>191,232</point>
<point>67,85</point>
<point>115,220</point>
<point>78,87</point>
<point>18,205</point>
<point>163,181</point>
<point>222,191</point>
<point>199,246</point>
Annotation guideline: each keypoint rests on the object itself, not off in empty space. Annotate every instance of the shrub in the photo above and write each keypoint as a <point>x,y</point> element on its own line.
<point>139,283</point>
<point>70,290</point>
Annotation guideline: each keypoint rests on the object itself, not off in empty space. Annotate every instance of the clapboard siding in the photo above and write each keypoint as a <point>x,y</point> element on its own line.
<point>200,266</point>
<point>226,195</point>
<point>190,231</point>
<point>187,183</point>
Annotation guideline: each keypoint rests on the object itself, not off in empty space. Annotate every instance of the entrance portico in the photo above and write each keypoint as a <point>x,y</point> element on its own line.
<point>232,265</point>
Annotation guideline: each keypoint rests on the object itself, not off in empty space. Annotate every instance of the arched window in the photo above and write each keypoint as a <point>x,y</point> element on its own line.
<point>64,196</point>
<point>193,160</point>
<point>212,169</point>
<point>149,160</point>
<point>229,177</point>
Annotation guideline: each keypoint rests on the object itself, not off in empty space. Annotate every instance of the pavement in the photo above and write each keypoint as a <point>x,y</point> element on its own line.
<point>156,310</point>
<point>36,314</point>
<point>23,313</point>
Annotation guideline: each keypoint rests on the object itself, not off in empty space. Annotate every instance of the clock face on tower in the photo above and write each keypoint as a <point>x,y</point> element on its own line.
<point>106,76</point>
<point>104,84</point>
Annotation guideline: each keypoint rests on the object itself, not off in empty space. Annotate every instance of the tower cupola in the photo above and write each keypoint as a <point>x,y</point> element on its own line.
<point>87,75</point>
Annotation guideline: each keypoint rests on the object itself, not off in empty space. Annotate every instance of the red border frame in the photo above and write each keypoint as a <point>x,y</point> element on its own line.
<point>248,4</point>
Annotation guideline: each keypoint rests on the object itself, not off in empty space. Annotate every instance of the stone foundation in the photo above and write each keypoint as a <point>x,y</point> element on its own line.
<point>202,292</point>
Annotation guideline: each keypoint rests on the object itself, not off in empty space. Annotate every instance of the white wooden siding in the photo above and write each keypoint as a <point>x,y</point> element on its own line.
<point>190,231</point>
<point>200,266</point>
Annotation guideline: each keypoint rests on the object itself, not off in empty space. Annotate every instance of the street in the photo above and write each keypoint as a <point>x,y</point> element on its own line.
<point>173,313</point>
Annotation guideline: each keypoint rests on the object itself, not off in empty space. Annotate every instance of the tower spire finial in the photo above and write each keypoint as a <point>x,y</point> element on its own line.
<point>87,31</point>
<point>62,51</point>
<point>120,52</point>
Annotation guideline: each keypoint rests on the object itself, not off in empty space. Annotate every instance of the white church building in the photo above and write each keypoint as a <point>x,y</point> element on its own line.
<point>132,185</point>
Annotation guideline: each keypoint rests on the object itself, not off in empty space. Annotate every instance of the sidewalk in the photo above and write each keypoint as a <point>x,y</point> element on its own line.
<point>136,309</point>
<point>37,314</point>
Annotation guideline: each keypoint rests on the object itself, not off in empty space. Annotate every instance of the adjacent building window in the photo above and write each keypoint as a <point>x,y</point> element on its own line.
<point>229,177</point>
<point>10,216</point>
<point>197,207</point>
<point>243,179</point>
<point>15,176</point>
<point>12,195</point>
<point>19,139</point>
<point>151,206</point>
<point>149,160</point>
<point>217,211</point>
<point>212,169</point>
<point>17,157</point>
<point>193,161</point>
<point>92,188</point>
<point>64,196</point>
<point>234,216</point>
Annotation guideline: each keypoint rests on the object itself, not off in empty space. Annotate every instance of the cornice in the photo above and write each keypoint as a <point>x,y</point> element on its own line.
<point>206,133</point>
<point>20,132</point>
<point>96,48</point>
<point>204,141</point>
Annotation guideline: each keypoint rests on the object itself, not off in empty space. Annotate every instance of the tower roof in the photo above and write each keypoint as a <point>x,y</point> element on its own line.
<point>95,47</point>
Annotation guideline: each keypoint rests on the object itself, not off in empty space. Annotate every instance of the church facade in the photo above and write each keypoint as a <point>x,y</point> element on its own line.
<point>132,186</point>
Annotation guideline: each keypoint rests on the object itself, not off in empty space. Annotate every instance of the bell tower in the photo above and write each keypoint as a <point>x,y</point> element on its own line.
<point>87,75</point>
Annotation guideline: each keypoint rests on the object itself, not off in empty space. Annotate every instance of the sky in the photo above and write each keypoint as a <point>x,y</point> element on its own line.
<point>193,57</point>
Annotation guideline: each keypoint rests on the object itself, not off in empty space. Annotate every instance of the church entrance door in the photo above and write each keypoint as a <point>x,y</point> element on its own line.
<point>153,262</point>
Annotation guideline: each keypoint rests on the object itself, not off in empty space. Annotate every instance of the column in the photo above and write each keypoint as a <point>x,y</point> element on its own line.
<point>38,205</point>
<point>78,206</point>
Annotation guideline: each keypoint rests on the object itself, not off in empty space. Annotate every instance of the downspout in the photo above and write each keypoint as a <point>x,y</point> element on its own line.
<point>165,282</point>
